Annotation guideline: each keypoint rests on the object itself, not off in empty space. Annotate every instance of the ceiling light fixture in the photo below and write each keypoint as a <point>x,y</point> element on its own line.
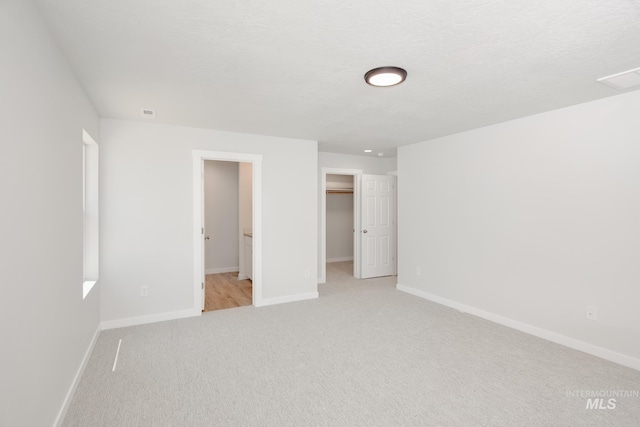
<point>368,151</point>
<point>385,76</point>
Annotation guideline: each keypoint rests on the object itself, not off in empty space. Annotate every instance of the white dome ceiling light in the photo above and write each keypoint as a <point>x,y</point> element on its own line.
<point>385,76</point>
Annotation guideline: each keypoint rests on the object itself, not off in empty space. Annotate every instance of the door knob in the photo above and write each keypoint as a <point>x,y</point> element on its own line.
<point>364,231</point>
<point>206,238</point>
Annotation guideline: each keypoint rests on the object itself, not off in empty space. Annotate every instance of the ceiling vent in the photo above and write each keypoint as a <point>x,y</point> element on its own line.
<point>149,114</point>
<point>621,81</point>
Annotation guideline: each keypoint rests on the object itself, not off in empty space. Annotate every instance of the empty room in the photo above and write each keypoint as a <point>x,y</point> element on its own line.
<point>426,213</point>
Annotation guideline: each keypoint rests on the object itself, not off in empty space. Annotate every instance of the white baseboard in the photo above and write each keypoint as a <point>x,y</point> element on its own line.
<point>288,298</point>
<point>142,320</point>
<point>341,259</point>
<point>222,270</point>
<point>242,277</point>
<point>594,350</point>
<point>76,379</point>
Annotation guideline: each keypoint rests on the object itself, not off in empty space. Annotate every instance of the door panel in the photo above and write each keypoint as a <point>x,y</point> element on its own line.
<point>370,251</point>
<point>370,212</point>
<point>384,251</point>
<point>385,212</point>
<point>378,225</point>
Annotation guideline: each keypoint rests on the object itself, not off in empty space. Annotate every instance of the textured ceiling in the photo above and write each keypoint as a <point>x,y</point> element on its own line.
<point>295,68</point>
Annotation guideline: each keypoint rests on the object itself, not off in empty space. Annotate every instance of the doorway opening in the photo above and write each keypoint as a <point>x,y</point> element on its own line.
<point>345,176</point>
<point>227,234</point>
<point>227,217</point>
<point>374,226</point>
<point>340,226</point>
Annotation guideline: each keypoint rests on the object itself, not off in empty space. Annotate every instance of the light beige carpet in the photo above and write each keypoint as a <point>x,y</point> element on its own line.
<point>363,354</point>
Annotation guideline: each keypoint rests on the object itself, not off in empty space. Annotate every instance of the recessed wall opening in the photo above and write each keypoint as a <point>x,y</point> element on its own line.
<point>90,227</point>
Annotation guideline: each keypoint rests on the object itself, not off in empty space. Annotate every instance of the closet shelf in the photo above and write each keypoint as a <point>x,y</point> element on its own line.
<point>340,191</point>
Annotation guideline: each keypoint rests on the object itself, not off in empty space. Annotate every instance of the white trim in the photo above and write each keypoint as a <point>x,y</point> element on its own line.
<point>340,259</point>
<point>243,277</point>
<point>322,268</point>
<point>573,343</point>
<point>152,318</point>
<point>199,156</point>
<point>198,224</point>
<point>288,298</point>
<point>222,270</point>
<point>357,217</point>
<point>256,239</point>
<point>397,215</point>
<point>76,380</point>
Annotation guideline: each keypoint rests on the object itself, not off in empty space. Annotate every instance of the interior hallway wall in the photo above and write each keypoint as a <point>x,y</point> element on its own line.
<point>532,220</point>
<point>147,218</point>
<point>46,327</point>
<point>221,216</point>
<point>368,164</point>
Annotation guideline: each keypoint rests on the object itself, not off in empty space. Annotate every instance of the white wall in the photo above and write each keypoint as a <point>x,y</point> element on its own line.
<point>221,215</point>
<point>45,325</point>
<point>147,211</point>
<point>369,164</point>
<point>533,220</point>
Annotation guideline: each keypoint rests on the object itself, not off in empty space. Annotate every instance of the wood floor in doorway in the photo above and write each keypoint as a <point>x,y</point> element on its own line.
<point>224,290</point>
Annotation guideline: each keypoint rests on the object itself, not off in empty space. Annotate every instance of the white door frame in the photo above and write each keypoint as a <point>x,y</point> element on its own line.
<point>199,156</point>
<point>322,267</point>
<point>395,173</point>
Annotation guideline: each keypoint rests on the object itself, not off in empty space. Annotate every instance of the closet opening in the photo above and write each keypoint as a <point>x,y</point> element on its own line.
<point>337,187</point>
<point>340,225</point>
<point>366,245</point>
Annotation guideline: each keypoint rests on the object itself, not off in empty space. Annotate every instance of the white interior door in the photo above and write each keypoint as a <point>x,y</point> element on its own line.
<point>377,226</point>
